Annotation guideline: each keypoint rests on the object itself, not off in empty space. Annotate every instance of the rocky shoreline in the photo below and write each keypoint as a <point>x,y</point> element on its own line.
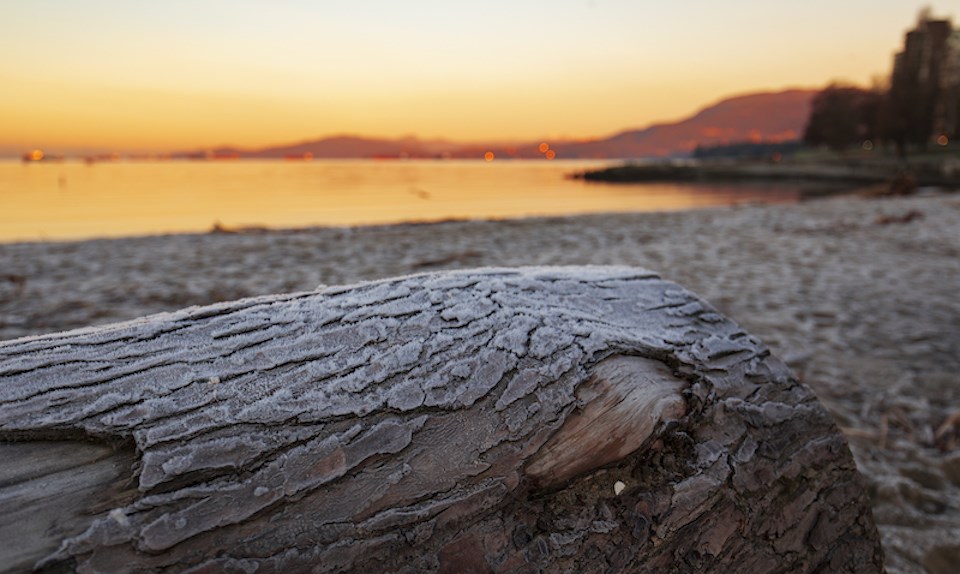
<point>859,296</point>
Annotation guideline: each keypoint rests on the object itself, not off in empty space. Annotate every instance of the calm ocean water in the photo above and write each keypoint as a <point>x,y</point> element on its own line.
<point>72,200</point>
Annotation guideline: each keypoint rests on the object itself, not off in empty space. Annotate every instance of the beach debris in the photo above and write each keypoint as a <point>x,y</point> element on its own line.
<point>460,257</point>
<point>220,229</point>
<point>900,185</point>
<point>951,468</point>
<point>17,281</point>
<point>912,215</point>
<point>903,183</point>
<point>947,435</point>
<point>412,424</point>
<point>942,559</point>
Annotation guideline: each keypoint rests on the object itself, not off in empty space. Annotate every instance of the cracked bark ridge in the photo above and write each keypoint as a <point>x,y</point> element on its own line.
<point>573,419</point>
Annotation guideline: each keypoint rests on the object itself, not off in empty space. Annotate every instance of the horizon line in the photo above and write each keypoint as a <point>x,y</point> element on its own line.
<point>81,151</point>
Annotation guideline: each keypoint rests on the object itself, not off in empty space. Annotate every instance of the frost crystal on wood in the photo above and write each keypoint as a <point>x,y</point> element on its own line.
<point>498,420</point>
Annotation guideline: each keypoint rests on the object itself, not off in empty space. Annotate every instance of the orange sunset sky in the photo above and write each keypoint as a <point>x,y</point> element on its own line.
<point>182,74</point>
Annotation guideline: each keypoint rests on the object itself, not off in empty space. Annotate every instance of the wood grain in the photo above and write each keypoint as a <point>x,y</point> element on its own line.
<point>464,421</point>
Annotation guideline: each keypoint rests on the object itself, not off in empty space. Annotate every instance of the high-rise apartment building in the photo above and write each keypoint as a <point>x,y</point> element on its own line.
<point>925,86</point>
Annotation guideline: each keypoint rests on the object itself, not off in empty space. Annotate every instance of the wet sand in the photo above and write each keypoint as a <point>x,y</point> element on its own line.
<point>861,297</point>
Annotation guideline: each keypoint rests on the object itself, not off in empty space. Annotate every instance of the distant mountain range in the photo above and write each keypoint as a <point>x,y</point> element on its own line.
<point>759,117</point>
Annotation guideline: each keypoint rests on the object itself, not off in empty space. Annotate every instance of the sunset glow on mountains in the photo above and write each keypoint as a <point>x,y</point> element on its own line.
<point>111,75</point>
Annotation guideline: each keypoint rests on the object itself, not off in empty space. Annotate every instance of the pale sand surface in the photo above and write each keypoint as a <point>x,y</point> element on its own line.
<point>861,297</point>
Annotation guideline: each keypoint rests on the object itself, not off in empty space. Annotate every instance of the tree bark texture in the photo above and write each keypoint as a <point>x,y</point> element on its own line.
<point>580,419</point>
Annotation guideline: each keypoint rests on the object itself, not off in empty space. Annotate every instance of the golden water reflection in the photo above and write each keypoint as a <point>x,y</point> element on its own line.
<point>71,200</point>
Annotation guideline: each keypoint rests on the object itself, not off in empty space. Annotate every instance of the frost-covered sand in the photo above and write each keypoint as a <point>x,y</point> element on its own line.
<point>861,297</point>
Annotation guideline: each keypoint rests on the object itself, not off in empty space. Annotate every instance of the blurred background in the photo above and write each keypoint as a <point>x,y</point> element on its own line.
<point>128,118</point>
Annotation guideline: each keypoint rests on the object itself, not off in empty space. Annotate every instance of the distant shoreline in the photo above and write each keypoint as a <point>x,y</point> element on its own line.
<point>899,177</point>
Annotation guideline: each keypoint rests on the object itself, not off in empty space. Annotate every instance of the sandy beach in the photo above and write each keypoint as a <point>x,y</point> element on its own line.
<point>859,296</point>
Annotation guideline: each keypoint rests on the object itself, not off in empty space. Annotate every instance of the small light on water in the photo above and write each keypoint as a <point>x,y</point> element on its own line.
<point>550,154</point>
<point>544,147</point>
<point>489,156</point>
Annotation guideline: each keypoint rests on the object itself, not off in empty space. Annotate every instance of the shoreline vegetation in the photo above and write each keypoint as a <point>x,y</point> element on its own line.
<point>883,176</point>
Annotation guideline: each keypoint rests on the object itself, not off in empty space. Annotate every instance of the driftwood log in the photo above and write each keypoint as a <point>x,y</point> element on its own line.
<point>497,420</point>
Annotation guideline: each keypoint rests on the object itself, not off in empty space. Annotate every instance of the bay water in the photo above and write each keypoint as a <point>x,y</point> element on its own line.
<point>76,200</point>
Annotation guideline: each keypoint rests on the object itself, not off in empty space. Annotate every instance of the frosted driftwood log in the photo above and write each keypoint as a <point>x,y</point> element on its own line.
<point>554,419</point>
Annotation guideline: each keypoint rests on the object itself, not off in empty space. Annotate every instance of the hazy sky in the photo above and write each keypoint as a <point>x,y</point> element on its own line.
<point>160,75</point>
